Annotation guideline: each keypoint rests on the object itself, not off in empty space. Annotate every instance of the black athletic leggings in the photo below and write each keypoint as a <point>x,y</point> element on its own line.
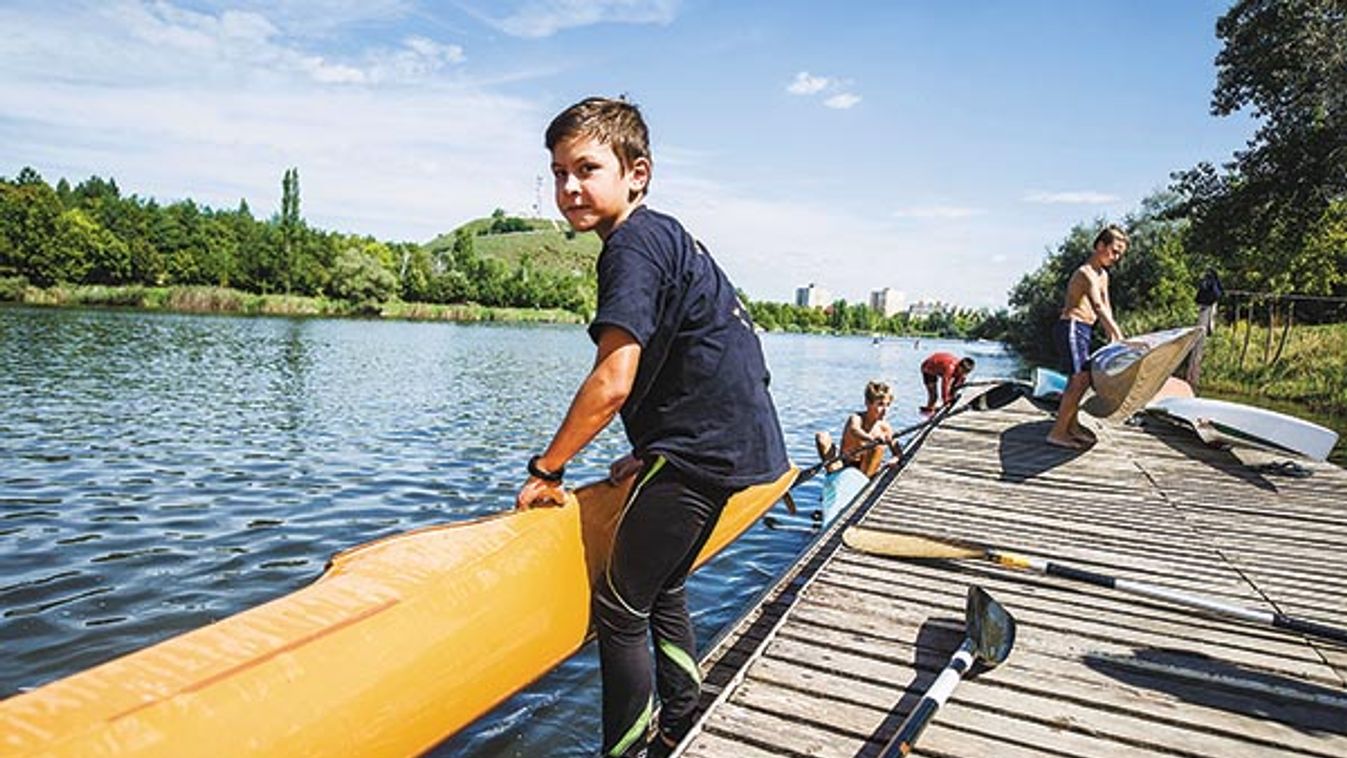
<point>665,523</point>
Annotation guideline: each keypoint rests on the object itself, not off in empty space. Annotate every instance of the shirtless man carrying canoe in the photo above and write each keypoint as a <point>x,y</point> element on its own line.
<point>1087,302</point>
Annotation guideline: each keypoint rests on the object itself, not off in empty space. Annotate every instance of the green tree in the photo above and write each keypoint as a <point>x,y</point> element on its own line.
<point>92,254</point>
<point>839,319</point>
<point>30,212</point>
<point>416,271</point>
<point>1286,62</point>
<point>290,226</point>
<point>359,277</point>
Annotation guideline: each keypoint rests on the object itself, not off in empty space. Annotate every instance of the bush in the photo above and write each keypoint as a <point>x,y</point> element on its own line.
<point>12,288</point>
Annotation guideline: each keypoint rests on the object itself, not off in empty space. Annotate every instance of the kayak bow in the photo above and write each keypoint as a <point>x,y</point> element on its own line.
<point>398,645</point>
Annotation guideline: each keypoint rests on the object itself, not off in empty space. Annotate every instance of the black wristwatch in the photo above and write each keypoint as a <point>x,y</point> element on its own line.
<point>546,476</point>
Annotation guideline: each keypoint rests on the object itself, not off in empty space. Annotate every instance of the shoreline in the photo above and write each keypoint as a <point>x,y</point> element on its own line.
<point>208,300</point>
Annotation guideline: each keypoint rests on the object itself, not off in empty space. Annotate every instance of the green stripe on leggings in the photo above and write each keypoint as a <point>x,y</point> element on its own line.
<point>680,657</point>
<point>654,469</point>
<point>636,732</point>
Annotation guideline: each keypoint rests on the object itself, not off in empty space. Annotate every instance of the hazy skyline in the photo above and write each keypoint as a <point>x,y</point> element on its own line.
<point>934,149</point>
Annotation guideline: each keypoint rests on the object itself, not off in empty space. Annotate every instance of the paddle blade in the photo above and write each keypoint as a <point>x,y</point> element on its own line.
<point>989,626</point>
<point>900,545</point>
<point>999,396</point>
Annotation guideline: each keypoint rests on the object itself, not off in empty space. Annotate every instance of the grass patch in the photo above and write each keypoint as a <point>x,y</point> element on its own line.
<point>548,248</point>
<point>231,301</point>
<point>475,312</point>
<point>1312,370</point>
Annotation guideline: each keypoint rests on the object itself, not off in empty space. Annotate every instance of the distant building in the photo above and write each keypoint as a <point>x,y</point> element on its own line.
<point>812,297</point>
<point>886,302</point>
<point>924,308</point>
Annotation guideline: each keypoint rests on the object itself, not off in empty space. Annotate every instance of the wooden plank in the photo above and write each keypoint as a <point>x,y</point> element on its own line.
<point>866,670</point>
<point>1095,671</point>
<point>1095,640</point>
<point>718,745</point>
<point>854,678</point>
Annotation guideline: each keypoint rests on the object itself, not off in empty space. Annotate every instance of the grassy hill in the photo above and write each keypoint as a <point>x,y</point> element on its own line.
<point>545,241</point>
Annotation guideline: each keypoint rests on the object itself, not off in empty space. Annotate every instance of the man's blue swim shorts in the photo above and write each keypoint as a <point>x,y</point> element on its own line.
<point>1072,339</point>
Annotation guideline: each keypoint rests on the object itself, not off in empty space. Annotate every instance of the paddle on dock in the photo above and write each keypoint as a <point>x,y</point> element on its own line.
<point>904,545</point>
<point>989,634</point>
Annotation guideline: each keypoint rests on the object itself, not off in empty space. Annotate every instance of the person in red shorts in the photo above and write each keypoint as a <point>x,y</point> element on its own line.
<point>949,371</point>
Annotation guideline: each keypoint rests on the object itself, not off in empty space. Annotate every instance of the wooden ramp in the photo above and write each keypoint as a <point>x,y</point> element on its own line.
<point>837,654</point>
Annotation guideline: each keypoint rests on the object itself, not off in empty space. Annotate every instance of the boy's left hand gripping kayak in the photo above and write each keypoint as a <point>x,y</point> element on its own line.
<point>398,645</point>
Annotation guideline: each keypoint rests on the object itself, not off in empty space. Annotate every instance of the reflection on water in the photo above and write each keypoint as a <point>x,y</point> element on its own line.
<point>158,472</point>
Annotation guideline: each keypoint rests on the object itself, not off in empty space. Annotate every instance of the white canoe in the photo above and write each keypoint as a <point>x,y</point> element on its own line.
<point>1126,375</point>
<point>1222,422</point>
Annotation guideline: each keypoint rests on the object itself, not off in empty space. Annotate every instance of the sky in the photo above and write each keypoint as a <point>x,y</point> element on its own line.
<point>939,149</point>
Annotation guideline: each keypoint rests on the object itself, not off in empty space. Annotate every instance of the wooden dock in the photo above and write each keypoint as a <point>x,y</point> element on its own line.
<point>837,654</point>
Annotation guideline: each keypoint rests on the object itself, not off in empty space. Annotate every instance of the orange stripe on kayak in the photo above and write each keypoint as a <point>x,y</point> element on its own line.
<point>259,660</point>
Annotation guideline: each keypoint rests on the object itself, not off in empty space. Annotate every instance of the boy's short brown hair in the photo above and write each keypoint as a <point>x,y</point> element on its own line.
<point>615,122</point>
<point>1108,235</point>
<point>967,365</point>
<point>877,391</point>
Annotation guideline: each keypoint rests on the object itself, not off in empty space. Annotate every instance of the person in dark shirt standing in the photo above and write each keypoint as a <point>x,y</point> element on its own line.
<point>678,356</point>
<point>1209,292</point>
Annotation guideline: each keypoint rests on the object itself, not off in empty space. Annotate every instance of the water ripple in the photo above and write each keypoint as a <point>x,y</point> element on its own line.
<point>163,472</point>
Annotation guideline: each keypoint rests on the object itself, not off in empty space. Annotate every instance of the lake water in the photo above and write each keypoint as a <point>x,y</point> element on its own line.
<point>159,472</point>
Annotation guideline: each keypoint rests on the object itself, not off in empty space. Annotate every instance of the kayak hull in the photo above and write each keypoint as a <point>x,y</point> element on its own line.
<point>839,489</point>
<point>1126,375</point>
<point>398,645</point>
<point>1222,422</point>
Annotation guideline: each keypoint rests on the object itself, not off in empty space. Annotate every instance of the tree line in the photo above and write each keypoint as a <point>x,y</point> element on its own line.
<point>1272,219</point>
<point>842,317</point>
<point>91,233</point>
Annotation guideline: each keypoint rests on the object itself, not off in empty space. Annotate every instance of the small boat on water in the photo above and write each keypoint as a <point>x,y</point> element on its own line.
<point>1126,375</point>
<point>1222,422</point>
<point>840,488</point>
<point>398,645</point>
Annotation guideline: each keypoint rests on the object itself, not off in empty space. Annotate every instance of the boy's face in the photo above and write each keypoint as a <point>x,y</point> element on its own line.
<point>593,191</point>
<point>1112,252</point>
<point>879,407</point>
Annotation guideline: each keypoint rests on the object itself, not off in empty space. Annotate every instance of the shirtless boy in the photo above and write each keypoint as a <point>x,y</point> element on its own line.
<point>1087,303</point>
<point>865,436</point>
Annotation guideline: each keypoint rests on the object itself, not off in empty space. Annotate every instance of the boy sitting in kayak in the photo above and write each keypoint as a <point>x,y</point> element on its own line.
<point>949,371</point>
<point>1087,301</point>
<point>865,437</point>
<point>678,356</point>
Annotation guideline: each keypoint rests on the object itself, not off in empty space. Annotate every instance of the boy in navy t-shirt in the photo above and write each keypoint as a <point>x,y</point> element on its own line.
<point>678,356</point>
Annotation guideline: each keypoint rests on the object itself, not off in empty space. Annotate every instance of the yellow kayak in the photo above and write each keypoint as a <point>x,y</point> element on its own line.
<point>398,645</point>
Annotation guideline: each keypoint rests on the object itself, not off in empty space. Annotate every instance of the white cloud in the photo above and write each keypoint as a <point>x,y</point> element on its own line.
<point>319,18</point>
<point>175,103</point>
<point>843,101</point>
<point>807,84</point>
<point>1071,198</point>
<point>936,212</point>
<point>543,18</point>
<point>132,42</point>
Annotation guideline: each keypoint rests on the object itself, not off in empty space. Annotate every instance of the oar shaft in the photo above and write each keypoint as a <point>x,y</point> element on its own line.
<point>998,396</point>
<point>921,716</point>
<point>1264,618</point>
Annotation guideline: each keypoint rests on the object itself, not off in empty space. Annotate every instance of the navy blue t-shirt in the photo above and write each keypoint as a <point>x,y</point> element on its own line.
<point>700,396</point>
